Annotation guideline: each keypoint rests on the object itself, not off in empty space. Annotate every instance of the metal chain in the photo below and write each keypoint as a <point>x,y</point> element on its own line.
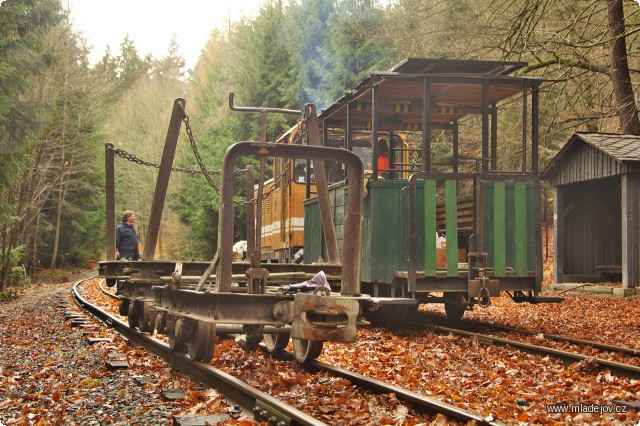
<point>194,148</point>
<point>285,169</point>
<point>134,159</point>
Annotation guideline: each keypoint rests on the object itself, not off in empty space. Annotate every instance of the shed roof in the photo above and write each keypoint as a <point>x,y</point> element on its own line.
<point>622,148</point>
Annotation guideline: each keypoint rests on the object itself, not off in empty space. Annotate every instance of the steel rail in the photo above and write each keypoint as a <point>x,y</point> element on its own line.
<point>234,389</point>
<point>568,339</point>
<point>105,291</point>
<point>616,368</point>
<point>419,402</point>
<point>559,338</point>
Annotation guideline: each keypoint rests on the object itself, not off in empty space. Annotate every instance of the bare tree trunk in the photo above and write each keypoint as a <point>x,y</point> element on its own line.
<point>36,238</point>
<point>5,265</point>
<point>62,188</point>
<point>56,243</point>
<point>13,232</point>
<point>623,91</point>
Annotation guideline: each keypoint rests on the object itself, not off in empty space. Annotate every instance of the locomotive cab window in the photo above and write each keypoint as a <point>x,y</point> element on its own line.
<point>300,171</point>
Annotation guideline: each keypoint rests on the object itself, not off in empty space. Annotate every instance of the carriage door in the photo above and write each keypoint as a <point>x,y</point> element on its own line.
<point>508,226</point>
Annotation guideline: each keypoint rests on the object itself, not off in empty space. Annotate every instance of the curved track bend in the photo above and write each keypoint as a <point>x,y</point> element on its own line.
<point>249,397</point>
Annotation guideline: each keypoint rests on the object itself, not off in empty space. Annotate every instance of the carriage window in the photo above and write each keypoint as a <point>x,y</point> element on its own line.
<point>300,171</point>
<point>276,169</point>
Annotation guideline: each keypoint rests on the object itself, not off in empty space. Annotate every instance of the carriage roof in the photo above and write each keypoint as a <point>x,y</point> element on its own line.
<point>455,90</point>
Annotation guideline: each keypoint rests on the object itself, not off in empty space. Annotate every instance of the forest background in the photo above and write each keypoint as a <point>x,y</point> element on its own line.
<point>57,111</point>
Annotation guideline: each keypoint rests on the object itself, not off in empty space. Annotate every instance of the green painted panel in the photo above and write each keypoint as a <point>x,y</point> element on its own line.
<point>430,228</point>
<point>521,228</point>
<point>312,232</point>
<point>487,220</point>
<point>510,224</point>
<point>533,253</point>
<point>339,213</point>
<point>340,197</point>
<point>451,221</point>
<point>518,224</point>
<point>499,226</point>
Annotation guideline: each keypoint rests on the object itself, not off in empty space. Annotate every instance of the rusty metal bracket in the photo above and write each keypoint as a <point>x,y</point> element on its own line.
<point>176,276</point>
<point>324,318</point>
<point>257,280</point>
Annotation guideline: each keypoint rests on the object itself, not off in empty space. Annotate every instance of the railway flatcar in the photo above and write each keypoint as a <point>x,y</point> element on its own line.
<point>456,217</point>
<point>194,302</point>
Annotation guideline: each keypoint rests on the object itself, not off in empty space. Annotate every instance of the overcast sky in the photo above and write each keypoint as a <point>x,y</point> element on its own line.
<point>152,23</point>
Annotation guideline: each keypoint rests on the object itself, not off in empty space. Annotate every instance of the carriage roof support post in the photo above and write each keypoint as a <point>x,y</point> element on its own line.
<point>349,131</point>
<point>375,94</point>
<point>321,187</point>
<point>494,137</point>
<point>456,147</point>
<point>250,210</point>
<point>534,171</point>
<point>534,129</point>
<point>353,219</point>
<point>485,127</point>
<point>162,182</point>
<point>110,201</point>
<point>426,126</point>
<point>524,125</point>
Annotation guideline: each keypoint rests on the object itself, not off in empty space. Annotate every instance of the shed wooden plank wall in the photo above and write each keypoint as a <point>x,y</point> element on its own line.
<point>592,228</point>
<point>584,162</point>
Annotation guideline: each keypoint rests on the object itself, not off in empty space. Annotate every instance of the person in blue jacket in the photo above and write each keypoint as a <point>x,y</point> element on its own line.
<point>127,247</point>
<point>127,238</point>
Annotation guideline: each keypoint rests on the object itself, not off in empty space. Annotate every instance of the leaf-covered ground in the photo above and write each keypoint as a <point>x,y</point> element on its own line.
<point>511,386</point>
<point>49,375</point>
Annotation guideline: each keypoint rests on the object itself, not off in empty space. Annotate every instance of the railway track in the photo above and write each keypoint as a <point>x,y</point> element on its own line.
<point>264,406</point>
<point>592,362</point>
<point>471,325</point>
<point>234,389</point>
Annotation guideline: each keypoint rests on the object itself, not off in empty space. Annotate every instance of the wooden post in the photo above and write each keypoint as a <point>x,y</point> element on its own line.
<point>630,230</point>
<point>558,234</point>
<point>110,203</point>
<point>162,182</point>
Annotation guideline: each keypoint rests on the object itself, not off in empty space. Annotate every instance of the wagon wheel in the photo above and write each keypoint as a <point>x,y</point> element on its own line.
<point>201,344</point>
<point>134,314</point>
<point>146,322</point>
<point>454,305</point>
<point>176,332</point>
<point>276,342</point>
<point>123,306</point>
<point>306,350</point>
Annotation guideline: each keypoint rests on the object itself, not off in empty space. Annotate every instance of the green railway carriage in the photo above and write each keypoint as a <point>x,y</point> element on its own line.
<point>482,194</point>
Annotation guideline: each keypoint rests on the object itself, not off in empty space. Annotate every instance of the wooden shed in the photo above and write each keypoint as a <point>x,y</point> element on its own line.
<point>596,181</point>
